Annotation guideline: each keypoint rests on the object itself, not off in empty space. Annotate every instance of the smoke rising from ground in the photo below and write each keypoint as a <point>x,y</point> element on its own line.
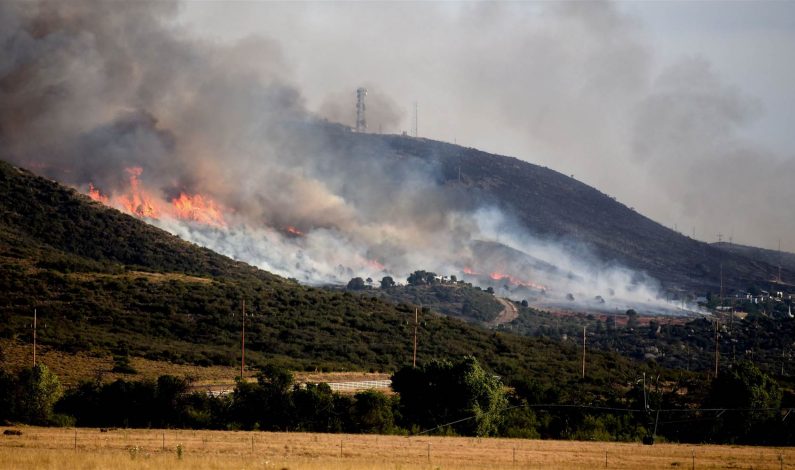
<point>581,87</point>
<point>120,97</point>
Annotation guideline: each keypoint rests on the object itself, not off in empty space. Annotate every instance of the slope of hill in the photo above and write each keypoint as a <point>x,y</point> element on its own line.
<point>773,258</point>
<point>106,282</point>
<point>554,206</point>
<point>459,300</point>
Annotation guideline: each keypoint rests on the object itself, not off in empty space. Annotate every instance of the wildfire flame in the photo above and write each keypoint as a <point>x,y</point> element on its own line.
<point>294,231</point>
<point>138,202</point>
<point>96,195</point>
<point>374,264</point>
<point>498,276</point>
<point>198,209</point>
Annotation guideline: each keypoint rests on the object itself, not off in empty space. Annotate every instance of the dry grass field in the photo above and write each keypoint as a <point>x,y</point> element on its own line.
<point>60,448</point>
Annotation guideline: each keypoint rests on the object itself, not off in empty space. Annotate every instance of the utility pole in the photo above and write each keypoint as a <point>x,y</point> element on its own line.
<point>721,285</point>
<point>34,337</point>
<point>583,352</point>
<point>416,325</point>
<point>717,347</point>
<point>243,342</point>
<point>779,262</point>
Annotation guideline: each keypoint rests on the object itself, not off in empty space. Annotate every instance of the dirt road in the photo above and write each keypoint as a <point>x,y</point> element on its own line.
<point>509,312</point>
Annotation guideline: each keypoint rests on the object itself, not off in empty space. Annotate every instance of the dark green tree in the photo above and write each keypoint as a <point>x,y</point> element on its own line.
<point>38,390</point>
<point>373,413</point>
<point>752,399</point>
<point>632,319</point>
<point>387,282</point>
<point>314,409</point>
<point>442,392</point>
<point>356,283</point>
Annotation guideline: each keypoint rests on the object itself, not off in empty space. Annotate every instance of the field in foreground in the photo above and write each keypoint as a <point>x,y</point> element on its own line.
<point>57,448</point>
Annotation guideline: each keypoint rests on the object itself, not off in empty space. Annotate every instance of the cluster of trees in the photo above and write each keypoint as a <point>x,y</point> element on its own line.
<point>30,396</point>
<point>439,397</point>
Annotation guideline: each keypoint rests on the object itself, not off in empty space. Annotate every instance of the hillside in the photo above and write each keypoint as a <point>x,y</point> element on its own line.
<point>557,207</point>
<point>459,300</point>
<point>104,282</point>
<point>773,258</point>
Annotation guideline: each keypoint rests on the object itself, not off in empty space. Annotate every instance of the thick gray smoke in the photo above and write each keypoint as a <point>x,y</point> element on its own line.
<point>117,98</point>
<point>582,87</point>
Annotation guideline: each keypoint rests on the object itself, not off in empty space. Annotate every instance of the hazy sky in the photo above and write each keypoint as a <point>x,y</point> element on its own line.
<point>680,109</point>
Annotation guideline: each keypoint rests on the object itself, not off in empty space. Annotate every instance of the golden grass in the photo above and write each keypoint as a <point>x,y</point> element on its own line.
<point>71,369</point>
<point>133,275</point>
<point>54,448</point>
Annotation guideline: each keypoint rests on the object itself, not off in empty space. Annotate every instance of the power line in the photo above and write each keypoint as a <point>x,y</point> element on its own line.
<point>719,411</point>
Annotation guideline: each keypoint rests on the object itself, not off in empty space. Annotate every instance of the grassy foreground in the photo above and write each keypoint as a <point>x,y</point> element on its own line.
<point>57,448</point>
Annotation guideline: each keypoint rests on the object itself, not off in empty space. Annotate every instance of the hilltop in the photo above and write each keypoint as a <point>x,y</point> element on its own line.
<point>557,207</point>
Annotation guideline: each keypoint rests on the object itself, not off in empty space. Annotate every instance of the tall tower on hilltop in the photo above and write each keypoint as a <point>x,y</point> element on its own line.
<point>361,120</point>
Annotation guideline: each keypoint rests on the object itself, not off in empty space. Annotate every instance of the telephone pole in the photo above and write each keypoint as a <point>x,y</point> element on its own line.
<point>243,342</point>
<point>34,337</point>
<point>717,347</point>
<point>416,325</point>
<point>583,352</point>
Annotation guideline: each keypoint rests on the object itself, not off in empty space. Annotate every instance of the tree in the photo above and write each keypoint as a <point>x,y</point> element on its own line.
<point>8,392</point>
<point>387,282</point>
<point>419,278</point>
<point>38,390</point>
<point>632,319</point>
<point>373,413</point>
<point>314,409</point>
<point>750,390</point>
<point>356,283</point>
<point>440,392</point>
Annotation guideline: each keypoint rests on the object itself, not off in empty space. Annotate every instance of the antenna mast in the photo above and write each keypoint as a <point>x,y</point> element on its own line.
<point>416,118</point>
<point>361,119</point>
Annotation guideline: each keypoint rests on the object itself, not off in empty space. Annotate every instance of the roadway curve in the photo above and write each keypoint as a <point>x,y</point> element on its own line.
<point>509,312</point>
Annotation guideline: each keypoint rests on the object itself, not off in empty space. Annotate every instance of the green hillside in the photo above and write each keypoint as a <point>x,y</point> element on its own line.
<point>103,281</point>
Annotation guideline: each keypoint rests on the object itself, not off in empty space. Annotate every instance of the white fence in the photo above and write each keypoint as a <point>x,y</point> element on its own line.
<point>362,385</point>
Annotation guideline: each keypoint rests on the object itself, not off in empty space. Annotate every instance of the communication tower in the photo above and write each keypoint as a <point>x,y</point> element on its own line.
<point>361,120</point>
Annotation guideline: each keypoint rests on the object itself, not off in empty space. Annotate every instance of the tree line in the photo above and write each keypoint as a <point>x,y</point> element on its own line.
<point>439,397</point>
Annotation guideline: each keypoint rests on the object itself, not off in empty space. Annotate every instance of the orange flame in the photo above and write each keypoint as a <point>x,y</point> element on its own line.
<point>498,276</point>
<point>294,231</point>
<point>137,202</point>
<point>96,195</point>
<point>375,265</point>
<point>198,209</point>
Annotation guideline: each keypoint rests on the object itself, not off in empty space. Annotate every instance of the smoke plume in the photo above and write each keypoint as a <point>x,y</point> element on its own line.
<point>213,141</point>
